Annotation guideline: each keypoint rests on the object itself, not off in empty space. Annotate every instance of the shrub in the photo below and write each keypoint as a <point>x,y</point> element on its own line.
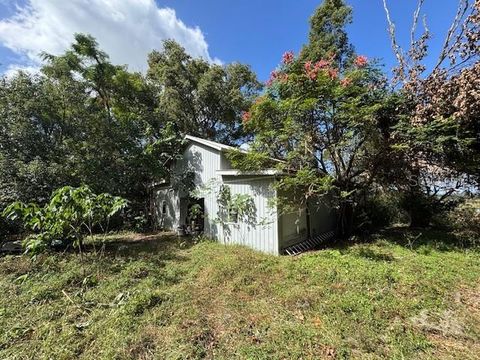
<point>465,221</point>
<point>70,214</point>
<point>378,211</point>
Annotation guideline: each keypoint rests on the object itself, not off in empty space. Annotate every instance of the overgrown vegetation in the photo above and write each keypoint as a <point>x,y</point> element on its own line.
<point>348,134</point>
<point>83,120</point>
<point>70,214</point>
<point>403,295</point>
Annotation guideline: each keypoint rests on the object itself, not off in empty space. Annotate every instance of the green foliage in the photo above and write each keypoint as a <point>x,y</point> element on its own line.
<point>322,115</point>
<point>200,98</point>
<point>235,208</point>
<point>70,214</point>
<point>195,212</point>
<point>328,36</point>
<point>84,120</point>
<point>379,210</point>
<point>464,219</point>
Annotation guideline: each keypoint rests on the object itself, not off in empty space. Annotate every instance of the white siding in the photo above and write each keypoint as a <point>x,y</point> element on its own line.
<point>293,227</point>
<point>225,163</point>
<point>205,162</point>
<point>169,219</point>
<point>267,233</point>
<point>261,233</point>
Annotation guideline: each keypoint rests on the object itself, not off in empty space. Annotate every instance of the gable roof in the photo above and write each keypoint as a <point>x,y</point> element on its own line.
<point>212,144</point>
<point>222,147</point>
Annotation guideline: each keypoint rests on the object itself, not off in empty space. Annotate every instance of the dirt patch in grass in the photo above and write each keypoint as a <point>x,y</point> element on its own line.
<point>454,332</point>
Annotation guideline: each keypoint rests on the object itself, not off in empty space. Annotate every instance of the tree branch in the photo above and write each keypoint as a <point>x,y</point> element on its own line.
<point>397,50</point>
<point>416,14</point>
<point>448,46</point>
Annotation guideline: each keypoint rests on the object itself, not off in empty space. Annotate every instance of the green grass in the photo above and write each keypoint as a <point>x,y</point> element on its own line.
<point>160,297</point>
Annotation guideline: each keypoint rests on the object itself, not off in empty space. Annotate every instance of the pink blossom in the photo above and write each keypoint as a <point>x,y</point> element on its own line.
<point>273,77</point>
<point>321,64</point>
<point>308,66</point>
<point>276,75</point>
<point>283,77</point>
<point>333,73</point>
<point>288,57</point>
<point>361,61</point>
<point>246,116</point>
<point>311,72</point>
<point>346,82</point>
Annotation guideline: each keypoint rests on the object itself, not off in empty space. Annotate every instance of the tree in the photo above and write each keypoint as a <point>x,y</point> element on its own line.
<point>83,120</point>
<point>321,116</point>
<point>438,137</point>
<point>200,98</point>
<point>328,37</point>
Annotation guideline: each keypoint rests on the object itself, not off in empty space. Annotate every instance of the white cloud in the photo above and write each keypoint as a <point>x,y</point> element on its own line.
<point>126,29</point>
<point>12,69</point>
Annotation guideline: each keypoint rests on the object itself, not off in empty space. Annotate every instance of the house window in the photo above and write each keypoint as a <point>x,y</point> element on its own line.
<point>164,207</point>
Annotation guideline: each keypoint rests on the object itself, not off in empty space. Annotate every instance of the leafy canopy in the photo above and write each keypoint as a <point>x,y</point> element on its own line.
<point>320,114</point>
<point>201,98</point>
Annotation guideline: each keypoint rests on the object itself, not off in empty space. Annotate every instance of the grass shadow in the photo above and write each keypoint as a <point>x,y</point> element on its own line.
<point>424,238</point>
<point>414,239</point>
<point>157,246</point>
<point>371,254</point>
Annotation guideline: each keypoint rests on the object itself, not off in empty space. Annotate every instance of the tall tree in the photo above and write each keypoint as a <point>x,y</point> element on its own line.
<point>328,38</point>
<point>321,116</point>
<point>83,120</point>
<point>201,98</point>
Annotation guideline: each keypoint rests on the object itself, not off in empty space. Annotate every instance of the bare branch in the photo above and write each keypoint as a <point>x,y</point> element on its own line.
<point>397,50</point>
<point>448,45</point>
<point>416,14</point>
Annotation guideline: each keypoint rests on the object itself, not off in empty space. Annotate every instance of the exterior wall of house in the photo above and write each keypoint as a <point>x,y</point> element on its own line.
<point>321,218</point>
<point>266,230</point>
<point>168,208</point>
<point>293,226</point>
<point>259,230</point>
<point>204,162</point>
<point>260,233</point>
<point>225,163</point>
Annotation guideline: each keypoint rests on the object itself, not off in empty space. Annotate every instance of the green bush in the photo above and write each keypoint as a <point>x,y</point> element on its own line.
<point>378,211</point>
<point>465,221</point>
<point>70,214</point>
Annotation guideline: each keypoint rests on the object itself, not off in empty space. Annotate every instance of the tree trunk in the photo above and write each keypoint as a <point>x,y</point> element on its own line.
<point>418,207</point>
<point>345,219</point>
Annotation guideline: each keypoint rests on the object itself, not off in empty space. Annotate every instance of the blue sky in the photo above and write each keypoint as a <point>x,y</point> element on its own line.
<point>252,32</point>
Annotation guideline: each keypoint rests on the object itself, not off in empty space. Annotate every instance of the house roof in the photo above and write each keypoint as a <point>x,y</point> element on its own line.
<point>212,144</point>
<point>233,172</point>
<point>218,146</point>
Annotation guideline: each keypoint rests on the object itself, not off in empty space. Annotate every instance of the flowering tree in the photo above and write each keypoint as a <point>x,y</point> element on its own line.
<point>321,116</point>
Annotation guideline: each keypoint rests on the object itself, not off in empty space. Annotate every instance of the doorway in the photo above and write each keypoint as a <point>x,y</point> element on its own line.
<point>195,215</point>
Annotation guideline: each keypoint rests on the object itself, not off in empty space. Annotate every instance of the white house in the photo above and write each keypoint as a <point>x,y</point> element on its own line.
<point>263,228</point>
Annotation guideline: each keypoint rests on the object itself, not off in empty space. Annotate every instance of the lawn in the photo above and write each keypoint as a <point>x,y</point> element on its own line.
<point>160,297</point>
